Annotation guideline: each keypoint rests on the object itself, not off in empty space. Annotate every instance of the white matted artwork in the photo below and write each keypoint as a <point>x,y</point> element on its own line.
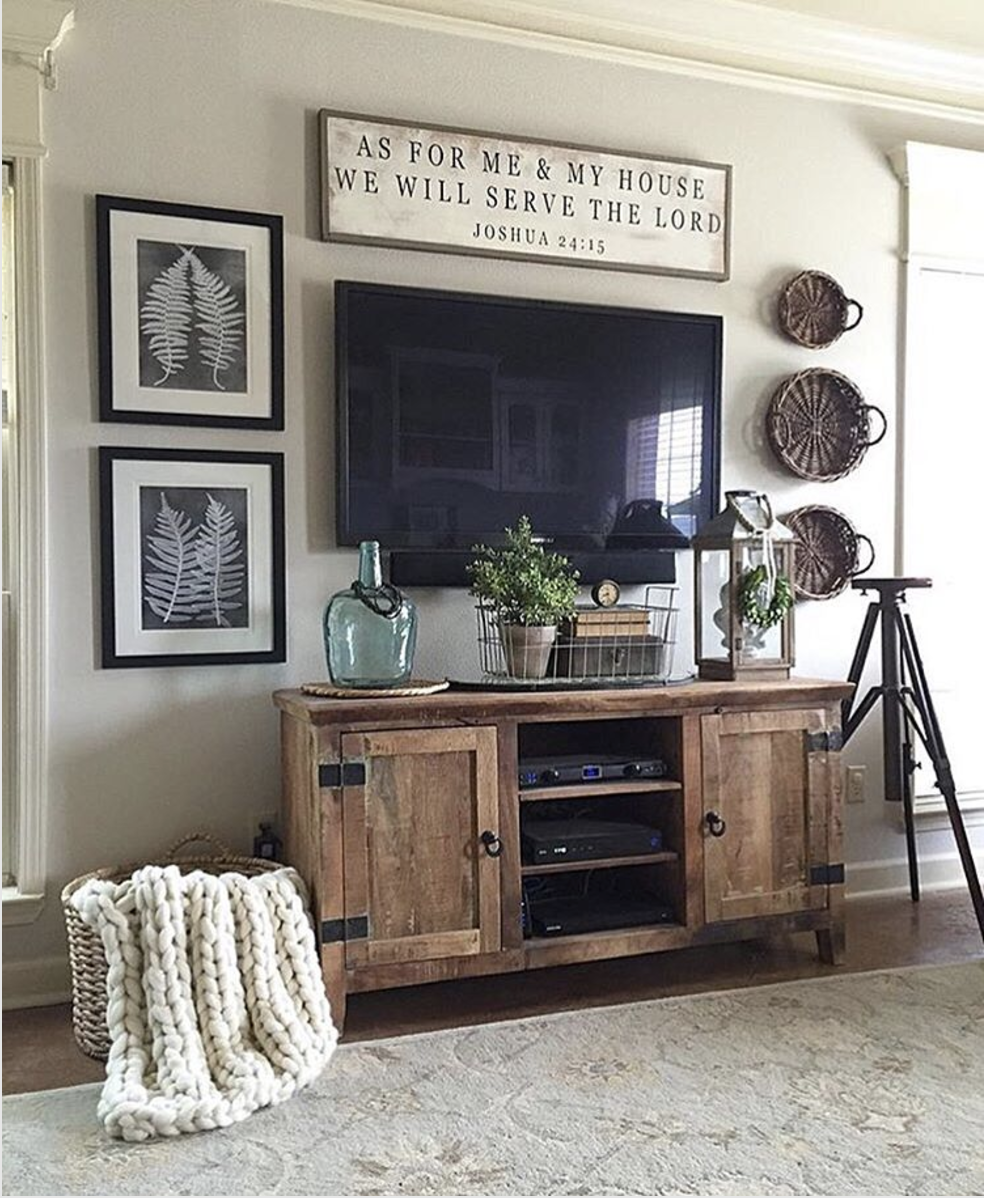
<point>192,557</point>
<point>190,314</point>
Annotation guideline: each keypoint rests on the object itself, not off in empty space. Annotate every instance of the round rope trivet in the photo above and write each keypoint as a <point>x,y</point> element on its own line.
<point>819,425</point>
<point>828,551</point>
<point>814,311</point>
<point>419,686</point>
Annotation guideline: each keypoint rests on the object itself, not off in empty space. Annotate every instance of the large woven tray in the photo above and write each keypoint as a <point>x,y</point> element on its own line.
<point>813,309</point>
<point>819,426</point>
<point>828,551</point>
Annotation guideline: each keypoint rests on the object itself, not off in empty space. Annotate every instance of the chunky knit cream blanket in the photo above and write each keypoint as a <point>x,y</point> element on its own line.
<point>216,1002</point>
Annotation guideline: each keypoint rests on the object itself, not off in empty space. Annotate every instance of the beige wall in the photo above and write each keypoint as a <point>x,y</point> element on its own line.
<point>215,104</point>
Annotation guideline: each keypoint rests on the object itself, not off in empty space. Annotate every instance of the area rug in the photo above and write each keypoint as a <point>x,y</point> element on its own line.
<point>856,1084</point>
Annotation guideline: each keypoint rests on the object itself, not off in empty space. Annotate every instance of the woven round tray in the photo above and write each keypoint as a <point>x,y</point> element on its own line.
<point>814,311</point>
<point>416,686</point>
<point>828,551</point>
<point>85,950</point>
<point>819,425</point>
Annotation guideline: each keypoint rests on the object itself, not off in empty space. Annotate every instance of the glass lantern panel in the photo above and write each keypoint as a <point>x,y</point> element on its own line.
<point>715,615</point>
<point>761,644</point>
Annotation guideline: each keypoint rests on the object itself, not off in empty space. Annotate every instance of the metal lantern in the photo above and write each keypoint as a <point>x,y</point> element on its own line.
<point>743,572</point>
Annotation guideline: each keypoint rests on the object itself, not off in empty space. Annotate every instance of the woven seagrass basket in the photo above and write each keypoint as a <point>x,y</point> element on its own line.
<point>828,551</point>
<point>819,426</point>
<point>813,310</point>
<point>85,949</point>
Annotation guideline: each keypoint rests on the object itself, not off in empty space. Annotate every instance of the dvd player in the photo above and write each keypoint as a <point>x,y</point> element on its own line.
<point>574,768</point>
<point>572,914</point>
<point>546,841</point>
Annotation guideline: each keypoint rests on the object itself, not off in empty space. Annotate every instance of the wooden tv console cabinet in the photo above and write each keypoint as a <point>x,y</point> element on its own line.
<point>403,816</point>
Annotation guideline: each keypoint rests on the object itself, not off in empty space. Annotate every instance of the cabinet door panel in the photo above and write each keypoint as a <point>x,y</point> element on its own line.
<point>768,783</point>
<point>415,867</point>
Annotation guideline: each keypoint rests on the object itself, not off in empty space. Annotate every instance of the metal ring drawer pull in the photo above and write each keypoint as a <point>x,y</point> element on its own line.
<point>715,824</point>
<point>493,845</point>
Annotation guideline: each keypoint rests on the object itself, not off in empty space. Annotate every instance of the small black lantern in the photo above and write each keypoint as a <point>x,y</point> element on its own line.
<point>743,592</point>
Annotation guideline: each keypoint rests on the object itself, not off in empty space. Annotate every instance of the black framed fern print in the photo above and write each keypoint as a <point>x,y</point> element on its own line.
<point>190,314</point>
<point>192,557</point>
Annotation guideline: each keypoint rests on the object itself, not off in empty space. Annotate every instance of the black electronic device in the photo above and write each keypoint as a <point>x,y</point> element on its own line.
<point>548,841</point>
<point>568,915</point>
<point>573,768</point>
<point>458,413</point>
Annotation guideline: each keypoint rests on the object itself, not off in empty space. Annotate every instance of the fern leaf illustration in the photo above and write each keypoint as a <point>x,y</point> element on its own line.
<point>171,586</point>
<point>220,320</point>
<point>219,566</point>
<point>165,317</point>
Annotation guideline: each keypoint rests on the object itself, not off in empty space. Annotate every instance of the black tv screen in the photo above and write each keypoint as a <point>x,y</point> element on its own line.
<point>458,413</point>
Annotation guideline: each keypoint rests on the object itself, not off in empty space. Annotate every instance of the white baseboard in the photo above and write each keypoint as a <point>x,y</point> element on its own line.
<point>871,879</point>
<point>41,983</point>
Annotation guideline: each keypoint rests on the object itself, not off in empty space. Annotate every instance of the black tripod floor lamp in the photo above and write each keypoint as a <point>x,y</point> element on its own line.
<point>907,713</point>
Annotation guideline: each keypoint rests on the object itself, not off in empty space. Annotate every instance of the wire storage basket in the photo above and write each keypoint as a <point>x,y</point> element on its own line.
<point>86,954</point>
<point>630,645</point>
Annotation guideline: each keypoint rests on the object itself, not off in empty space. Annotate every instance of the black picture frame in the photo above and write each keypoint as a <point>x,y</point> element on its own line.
<point>192,557</point>
<point>190,306</point>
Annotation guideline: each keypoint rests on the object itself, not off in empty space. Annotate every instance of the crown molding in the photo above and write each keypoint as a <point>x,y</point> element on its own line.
<point>32,27</point>
<point>727,40</point>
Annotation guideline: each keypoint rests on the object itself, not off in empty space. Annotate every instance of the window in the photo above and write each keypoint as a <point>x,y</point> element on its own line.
<point>942,428</point>
<point>942,436</point>
<point>9,521</point>
<point>30,34</point>
<point>23,730</point>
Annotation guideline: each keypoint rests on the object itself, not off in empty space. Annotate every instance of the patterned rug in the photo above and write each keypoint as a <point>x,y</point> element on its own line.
<point>858,1084</point>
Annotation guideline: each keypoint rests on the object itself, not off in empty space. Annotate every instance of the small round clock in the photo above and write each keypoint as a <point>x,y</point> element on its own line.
<point>606,593</point>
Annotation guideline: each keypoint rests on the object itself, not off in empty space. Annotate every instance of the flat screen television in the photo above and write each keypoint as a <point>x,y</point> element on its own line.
<point>457,413</point>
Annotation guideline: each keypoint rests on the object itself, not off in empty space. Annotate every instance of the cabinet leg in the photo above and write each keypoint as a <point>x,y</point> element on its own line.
<point>832,945</point>
<point>333,970</point>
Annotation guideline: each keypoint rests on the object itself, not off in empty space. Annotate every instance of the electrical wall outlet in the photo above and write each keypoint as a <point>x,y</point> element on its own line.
<point>264,817</point>
<point>856,778</point>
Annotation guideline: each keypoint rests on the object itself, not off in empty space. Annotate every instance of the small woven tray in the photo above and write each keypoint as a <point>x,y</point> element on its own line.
<point>828,551</point>
<point>819,426</point>
<point>814,311</point>
<point>85,950</point>
<point>416,686</point>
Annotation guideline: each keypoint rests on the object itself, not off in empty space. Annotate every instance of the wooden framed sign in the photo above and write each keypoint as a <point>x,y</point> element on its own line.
<point>428,187</point>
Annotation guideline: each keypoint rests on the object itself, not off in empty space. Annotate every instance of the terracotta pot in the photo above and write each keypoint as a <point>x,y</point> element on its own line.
<point>528,648</point>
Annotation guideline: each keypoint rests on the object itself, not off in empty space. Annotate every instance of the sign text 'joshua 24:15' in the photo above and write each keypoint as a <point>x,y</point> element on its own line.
<point>430,188</point>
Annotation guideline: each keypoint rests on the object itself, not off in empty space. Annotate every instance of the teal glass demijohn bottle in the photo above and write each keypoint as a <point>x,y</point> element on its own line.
<point>370,629</point>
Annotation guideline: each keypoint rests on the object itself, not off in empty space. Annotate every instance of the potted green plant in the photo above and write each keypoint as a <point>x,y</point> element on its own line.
<point>528,590</point>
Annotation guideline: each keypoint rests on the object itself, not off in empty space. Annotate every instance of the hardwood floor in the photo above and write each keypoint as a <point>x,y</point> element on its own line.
<point>39,1052</point>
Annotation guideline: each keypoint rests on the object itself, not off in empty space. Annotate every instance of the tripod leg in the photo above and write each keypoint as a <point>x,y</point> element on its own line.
<point>857,663</point>
<point>908,786</point>
<point>856,718</point>
<point>933,740</point>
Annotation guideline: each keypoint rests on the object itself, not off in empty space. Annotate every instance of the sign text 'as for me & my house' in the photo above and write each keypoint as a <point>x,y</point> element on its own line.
<point>426,187</point>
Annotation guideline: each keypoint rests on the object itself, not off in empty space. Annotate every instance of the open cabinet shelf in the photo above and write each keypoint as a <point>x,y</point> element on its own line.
<point>564,867</point>
<point>596,790</point>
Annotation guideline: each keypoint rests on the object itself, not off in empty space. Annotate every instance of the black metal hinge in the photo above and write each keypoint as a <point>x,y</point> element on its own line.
<point>825,742</point>
<point>826,875</point>
<point>333,930</point>
<point>342,773</point>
